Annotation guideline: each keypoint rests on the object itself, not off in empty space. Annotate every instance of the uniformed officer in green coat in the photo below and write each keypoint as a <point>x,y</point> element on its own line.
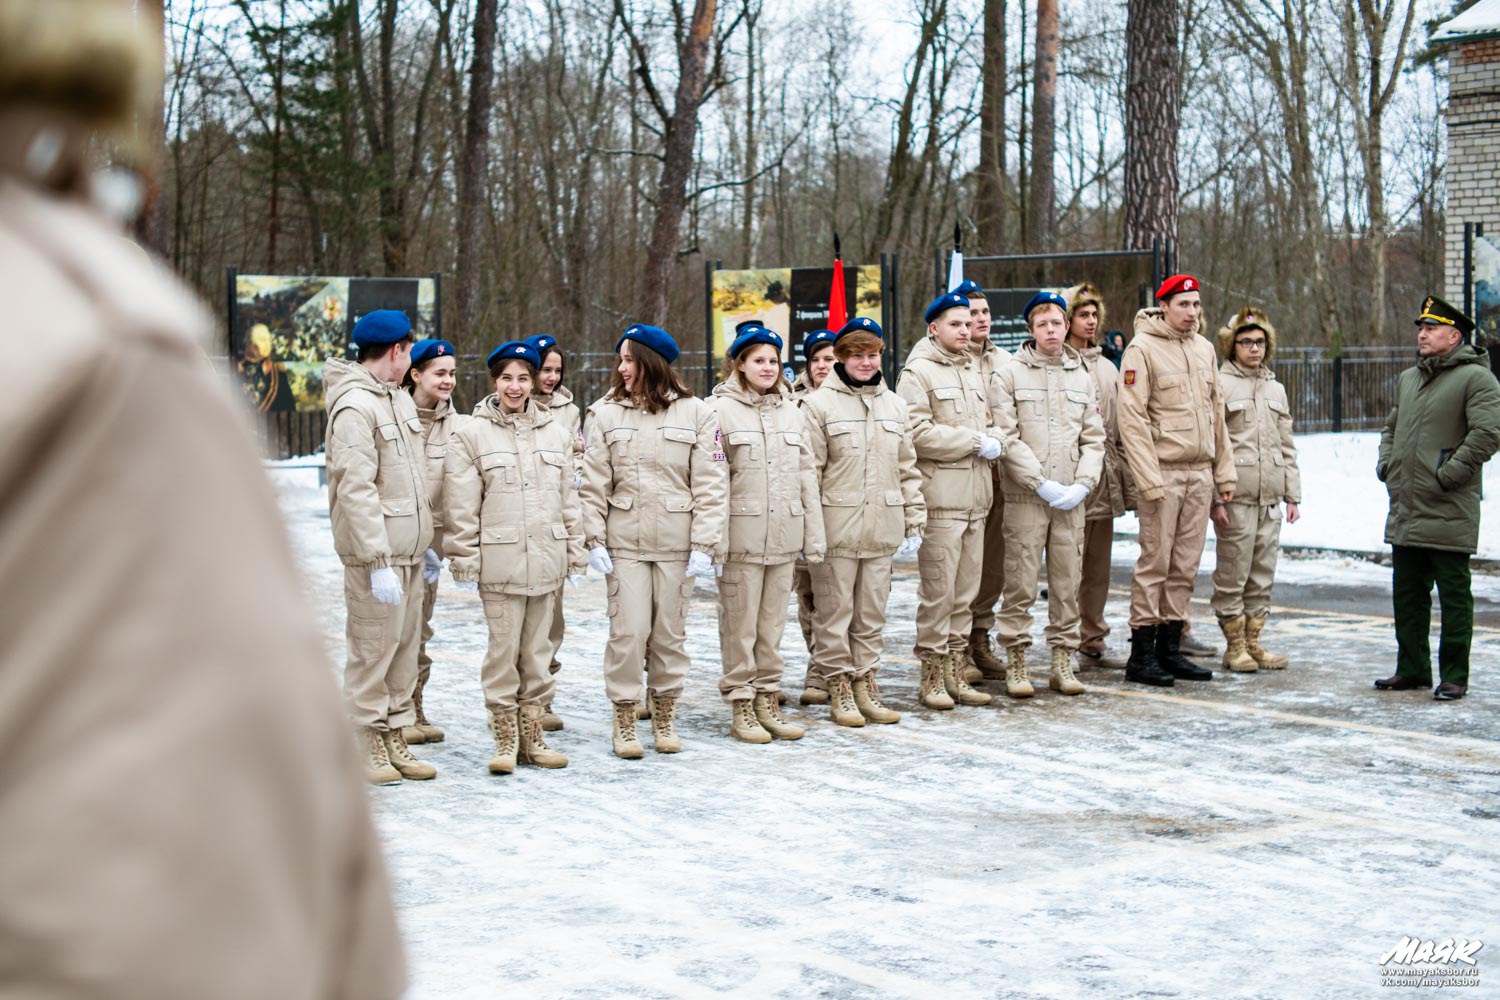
<point>1445,426</point>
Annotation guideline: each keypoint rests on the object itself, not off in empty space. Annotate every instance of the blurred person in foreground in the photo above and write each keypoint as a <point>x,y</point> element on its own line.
<point>183,810</point>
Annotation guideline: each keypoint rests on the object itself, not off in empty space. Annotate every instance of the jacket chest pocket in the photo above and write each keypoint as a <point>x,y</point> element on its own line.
<point>550,465</point>
<point>621,444</point>
<point>676,445</point>
<point>1078,403</point>
<point>1239,413</point>
<point>389,440</point>
<point>888,442</point>
<point>846,438</point>
<point>947,401</point>
<point>1173,390</point>
<point>744,448</point>
<point>500,470</point>
<point>1031,405</point>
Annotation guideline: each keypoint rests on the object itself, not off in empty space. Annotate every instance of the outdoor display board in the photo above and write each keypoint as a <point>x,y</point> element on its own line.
<point>1486,291</point>
<point>792,301</point>
<point>283,327</point>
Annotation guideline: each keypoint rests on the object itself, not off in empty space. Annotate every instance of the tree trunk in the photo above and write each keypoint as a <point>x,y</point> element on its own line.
<point>1044,128</point>
<point>473,166</point>
<point>752,115</point>
<point>990,210</point>
<point>671,190</point>
<point>1152,115</point>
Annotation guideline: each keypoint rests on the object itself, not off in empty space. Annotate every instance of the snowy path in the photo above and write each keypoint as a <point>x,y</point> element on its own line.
<point>1262,835</point>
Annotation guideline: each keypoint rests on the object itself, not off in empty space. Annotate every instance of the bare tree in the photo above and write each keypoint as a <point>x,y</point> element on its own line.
<point>1042,203</point>
<point>989,208</point>
<point>473,164</point>
<point>1152,117</point>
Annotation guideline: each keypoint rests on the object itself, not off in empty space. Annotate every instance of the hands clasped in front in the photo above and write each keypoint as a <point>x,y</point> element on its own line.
<point>1061,497</point>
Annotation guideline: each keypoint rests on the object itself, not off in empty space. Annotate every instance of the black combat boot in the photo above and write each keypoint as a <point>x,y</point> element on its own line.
<point>1169,656</point>
<point>1142,667</point>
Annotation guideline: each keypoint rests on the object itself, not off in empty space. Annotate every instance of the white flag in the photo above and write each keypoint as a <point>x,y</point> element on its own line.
<point>956,270</point>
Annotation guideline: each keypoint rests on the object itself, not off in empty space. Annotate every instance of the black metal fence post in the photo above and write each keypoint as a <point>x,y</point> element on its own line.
<point>1338,393</point>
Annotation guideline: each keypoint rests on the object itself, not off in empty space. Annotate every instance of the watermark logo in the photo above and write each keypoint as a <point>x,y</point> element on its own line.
<point>1442,963</point>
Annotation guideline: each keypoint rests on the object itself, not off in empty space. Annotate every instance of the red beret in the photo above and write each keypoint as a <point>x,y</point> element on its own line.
<point>1176,283</point>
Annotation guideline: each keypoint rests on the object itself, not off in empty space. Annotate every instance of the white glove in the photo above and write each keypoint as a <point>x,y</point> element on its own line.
<point>700,564</point>
<point>1051,491</point>
<point>577,481</point>
<point>385,586</point>
<point>909,547</point>
<point>574,579</point>
<point>990,448</point>
<point>1072,497</point>
<point>600,561</point>
<point>432,566</point>
<point>468,586</point>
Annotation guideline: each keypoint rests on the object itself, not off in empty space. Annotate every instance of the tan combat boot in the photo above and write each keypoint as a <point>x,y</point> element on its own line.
<point>966,668</point>
<point>643,710</point>
<point>813,696</point>
<point>768,714</point>
<point>953,682</point>
<point>841,702</point>
<point>664,724</point>
<point>1062,678</point>
<point>426,731</point>
<point>403,760</point>
<point>534,748</point>
<point>627,744</point>
<point>743,724</point>
<point>503,728</point>
<point>867,700</point>
<point>1017,679</point>
<point>1267,661</point>
<point>1236,656</point>
<point>550,723</point>
<point>983,654</point>
<point>378,769</point>
<point>931,691</point>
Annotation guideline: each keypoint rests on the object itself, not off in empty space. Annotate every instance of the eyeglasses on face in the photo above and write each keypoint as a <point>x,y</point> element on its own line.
<point>1254,344</point>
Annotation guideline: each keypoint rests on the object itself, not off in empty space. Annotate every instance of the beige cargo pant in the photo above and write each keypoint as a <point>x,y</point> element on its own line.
<point>1030,529</point>
<point>802,584</point>
<point>849,598</point>
<point>555,631</point>
<point>1173,530</point>
<point>515,664</point>
<point>429,603</point>
<point>1093,588</point>
<point>948,565</point>
<point>992,571</point>
<point>1247,552</point>
<point>648,605</point>
<point>380,672</point>
<point>752,615</point>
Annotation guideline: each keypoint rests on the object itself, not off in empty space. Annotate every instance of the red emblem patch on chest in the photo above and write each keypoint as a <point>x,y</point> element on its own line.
<point>1130,377</point>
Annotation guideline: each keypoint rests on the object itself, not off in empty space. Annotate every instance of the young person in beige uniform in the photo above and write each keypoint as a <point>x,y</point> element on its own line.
<point>948,416</point>
<point>430,380</point>
<point>1115,493</point>
<point>1048,412</point>
<point>551,393</point>
<point>654,498</point>
<point>1172,430</point>
<point>515,534</point>
<point>774,515</point>
<point>817,354</point>
<point>382,528</point>
<point>1247,529</point>
<point>988,359</point>
<point>184,816</point>
<point>872,510</point>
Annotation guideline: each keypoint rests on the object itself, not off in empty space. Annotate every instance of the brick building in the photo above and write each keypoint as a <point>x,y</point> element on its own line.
<point>1472,40</point>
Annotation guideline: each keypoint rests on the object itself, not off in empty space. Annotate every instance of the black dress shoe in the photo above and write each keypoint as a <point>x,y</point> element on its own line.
<point>1450,692</point>
<point>1399,682</point>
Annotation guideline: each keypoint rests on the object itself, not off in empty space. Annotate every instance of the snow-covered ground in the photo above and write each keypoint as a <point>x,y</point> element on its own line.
<point>1262,835</point>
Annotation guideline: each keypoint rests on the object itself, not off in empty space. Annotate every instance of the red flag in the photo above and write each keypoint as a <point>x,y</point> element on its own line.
<point>837,314</point>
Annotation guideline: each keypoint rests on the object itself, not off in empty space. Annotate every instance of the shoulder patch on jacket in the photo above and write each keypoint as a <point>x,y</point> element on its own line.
<point>1130,376</point>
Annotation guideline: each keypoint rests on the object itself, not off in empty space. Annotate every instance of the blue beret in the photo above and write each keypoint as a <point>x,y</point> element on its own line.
<point>815,340</point>
<point>941,304</point>
<point>860,324</point>
<point>541,342</point>
<point>653,337</point>
<point>969,288</point>
<point>740,326</point>
<point>517,350</point>
<point>382,326</point>
<point>752,335</point>
<point>1044,299</point>
<point>424,349</point>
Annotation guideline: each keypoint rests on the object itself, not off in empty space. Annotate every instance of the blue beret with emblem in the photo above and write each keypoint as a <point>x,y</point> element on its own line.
<point>541,343</point>
<point>381,326</point>
<point>424,350</point>
<point>1044,299</point>
<point>941,304</point>
<point>815,340</point>
<point>969,289</point>
<point>860,324</point>
<point>751,335</point>
<point>517,350</point>
<point>653,337</point>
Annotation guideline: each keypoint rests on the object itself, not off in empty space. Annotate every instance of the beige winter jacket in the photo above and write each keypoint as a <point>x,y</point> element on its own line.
<point>1115,493</point>
<point>565,411</point>
<point>947,412</point>
<point>183,810</point>
<point>515,525</point>
<point>654,484</point>
<point>1171,412</point>
<point>867,468</point>
<point>1049,418</point>
<point>437,426</point>
<point>989,359</point>
<point>1260,432</point>
<point>377,484</point>
<point>774,512</point>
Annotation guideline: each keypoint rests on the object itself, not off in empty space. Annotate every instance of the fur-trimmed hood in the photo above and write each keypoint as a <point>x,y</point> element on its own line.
<point>1082,294</point>
<point>1248,316</point>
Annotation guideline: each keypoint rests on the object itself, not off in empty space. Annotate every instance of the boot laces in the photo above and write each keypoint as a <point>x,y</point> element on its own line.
<point>398,749</point>
<point>625,723</point>
<point>378,752</point>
